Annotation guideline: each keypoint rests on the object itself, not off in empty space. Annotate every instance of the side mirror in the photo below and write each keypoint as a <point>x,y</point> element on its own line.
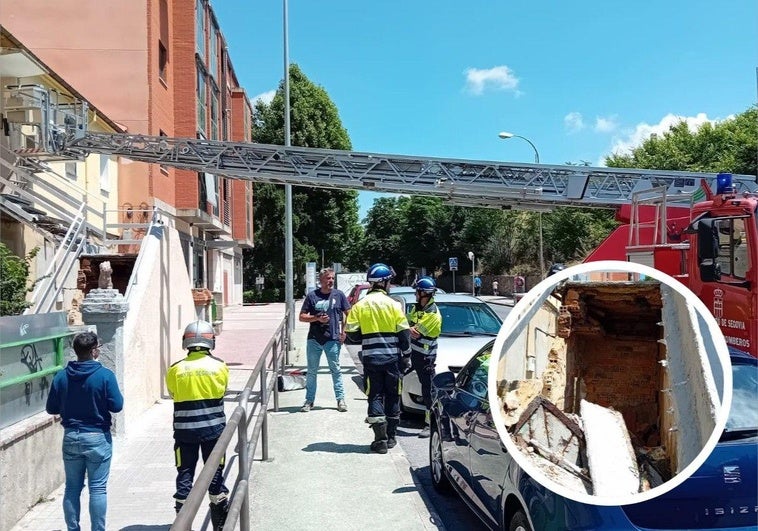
<point>708,251</point>
<point>444,381</point>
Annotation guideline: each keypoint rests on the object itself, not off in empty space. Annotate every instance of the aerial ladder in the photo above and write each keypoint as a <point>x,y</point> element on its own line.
<point>472,183</point>
<point>56,127</point>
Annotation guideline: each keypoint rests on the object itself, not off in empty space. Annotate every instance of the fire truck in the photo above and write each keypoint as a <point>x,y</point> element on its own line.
<point>706,240</point>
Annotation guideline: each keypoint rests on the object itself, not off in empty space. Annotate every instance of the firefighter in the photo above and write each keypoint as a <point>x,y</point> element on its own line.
<point>378,324</point>
<point>197,385</point>
<point>425,323</point>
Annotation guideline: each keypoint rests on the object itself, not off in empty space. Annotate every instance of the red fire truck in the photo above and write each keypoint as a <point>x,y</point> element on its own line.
<point>709,243</point>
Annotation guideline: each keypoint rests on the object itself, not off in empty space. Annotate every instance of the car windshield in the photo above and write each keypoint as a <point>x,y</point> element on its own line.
<point>743,414</point>
<point>466,318</point>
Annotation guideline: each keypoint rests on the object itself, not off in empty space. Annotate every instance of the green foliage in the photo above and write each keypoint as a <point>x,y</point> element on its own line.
<point>727,146</point>
<point>248,296</point>
<point>322,220</point>
<point>14,281</point>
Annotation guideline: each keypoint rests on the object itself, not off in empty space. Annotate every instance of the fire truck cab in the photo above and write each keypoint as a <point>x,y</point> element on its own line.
<point>711,246</point>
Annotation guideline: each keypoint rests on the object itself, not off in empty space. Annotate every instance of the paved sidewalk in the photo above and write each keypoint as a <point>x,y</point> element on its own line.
<point>320,473</point>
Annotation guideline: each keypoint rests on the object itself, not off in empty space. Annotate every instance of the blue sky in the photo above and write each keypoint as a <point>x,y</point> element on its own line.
<point>442,79</point>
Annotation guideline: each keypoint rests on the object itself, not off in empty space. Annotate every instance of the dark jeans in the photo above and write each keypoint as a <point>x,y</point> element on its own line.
<point>424,367</point>
<point>383,389</point>
<point>185,455</point>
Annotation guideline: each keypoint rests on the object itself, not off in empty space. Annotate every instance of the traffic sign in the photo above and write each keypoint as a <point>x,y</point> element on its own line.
<point>453,263</point>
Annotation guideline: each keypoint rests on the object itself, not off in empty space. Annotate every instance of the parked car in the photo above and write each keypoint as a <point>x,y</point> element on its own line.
<point>467,324</point>
<point>359,291</point>
<point>467,455</point>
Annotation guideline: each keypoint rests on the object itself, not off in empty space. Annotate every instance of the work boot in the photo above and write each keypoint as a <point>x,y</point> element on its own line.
<point>380,438</point>
<point>218,514</point>
<point>392,424</point>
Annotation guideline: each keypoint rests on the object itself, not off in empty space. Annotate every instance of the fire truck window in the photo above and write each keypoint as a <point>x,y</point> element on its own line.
<point>733,247</point>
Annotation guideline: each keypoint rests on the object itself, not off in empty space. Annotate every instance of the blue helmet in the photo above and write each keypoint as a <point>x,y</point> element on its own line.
<point>426,285</point>
<point>379,273</point>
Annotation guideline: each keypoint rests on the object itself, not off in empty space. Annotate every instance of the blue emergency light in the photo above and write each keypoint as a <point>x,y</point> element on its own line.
<point>723,183</point>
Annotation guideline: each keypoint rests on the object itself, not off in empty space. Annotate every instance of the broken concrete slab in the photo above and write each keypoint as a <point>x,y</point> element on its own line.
<point>610,455</point>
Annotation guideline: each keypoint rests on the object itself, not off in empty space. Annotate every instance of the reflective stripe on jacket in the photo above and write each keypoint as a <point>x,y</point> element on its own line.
<point>428,323</point>
<point>378,323</point>
<point>198,384</point>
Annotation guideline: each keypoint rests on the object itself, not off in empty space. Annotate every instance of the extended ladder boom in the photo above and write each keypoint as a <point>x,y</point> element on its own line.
<point>461,182</point>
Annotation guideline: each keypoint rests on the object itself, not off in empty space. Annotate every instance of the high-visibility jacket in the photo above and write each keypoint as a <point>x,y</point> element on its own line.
<point>198,384</point>
<point>428,323</point>
<point>379,325</point>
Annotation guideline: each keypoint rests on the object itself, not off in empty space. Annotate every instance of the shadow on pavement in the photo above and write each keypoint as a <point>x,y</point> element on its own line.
<point>337,448</point>
<point>139,527</point>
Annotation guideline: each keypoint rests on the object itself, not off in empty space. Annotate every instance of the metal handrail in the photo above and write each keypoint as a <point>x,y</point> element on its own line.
<point>269,366</point>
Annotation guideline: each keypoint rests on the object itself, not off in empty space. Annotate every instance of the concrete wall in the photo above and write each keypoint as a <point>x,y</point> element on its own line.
<point>160,306</point>
<point>693,388</point>
<point>30,465</point>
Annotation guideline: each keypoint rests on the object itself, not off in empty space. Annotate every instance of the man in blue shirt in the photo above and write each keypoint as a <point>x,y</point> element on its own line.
<point>325,309</point>
<point>85,394</point>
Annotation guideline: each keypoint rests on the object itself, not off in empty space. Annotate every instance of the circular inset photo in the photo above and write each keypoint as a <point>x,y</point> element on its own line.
<point>612,383</point>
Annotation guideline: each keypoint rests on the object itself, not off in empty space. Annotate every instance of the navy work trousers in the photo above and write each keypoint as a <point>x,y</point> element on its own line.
<point>185,455</point>
<point>383,390</point>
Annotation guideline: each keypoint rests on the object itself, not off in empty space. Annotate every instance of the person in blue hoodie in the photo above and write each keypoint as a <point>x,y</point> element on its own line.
<point>85,394</point>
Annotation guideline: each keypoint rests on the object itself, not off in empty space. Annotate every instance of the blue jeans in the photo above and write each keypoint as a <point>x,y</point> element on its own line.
<point>90,453</point>
<point>313,352</point>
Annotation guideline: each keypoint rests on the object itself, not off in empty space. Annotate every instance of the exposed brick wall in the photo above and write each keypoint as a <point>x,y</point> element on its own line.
<point>89,271</point>
<point>625,373</point>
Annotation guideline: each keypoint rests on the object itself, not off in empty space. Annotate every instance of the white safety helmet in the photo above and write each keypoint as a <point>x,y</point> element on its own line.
<point>199,334</point>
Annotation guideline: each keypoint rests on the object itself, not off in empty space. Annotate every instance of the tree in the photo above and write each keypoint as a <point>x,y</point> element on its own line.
<point>727,146</point>
<point>324,222</point>
<point>14,281</point>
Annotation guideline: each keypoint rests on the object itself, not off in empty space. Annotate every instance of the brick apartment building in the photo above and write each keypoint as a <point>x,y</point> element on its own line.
<point>157,67</point>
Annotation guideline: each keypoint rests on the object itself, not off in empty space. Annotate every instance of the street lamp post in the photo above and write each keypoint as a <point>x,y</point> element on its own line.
<point>505,136</point>
<point>473,268</point>
<point>289,277</point>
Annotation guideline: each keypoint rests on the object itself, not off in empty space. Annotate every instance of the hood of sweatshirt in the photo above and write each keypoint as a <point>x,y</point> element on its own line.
<point>81,370</point>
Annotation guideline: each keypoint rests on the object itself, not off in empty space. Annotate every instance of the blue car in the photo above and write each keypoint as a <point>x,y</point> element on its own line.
<point>466,455</point>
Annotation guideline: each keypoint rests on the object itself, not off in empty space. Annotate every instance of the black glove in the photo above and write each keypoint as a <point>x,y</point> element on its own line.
<point>405,364</point>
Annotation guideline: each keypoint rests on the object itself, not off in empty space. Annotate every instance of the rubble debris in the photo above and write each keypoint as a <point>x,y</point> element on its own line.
<point>518,396</point>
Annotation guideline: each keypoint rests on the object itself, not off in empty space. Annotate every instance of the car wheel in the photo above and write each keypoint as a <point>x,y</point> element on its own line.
<point>440,481</point>
<point>519,522</point>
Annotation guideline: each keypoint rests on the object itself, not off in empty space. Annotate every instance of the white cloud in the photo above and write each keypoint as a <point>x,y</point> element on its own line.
<point>634,138</point>
<point>605,124</point>
<point>265,97</point>
<point>573,122</point>
<point>495,78</point>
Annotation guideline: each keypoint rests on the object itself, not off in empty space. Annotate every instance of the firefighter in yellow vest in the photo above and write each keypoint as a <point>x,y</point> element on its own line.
<point>378,324</point>
<point>198,384</point>
<point>425,321</point>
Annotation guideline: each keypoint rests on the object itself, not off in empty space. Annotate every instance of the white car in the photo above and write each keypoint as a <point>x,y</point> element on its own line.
<point>468,324</point>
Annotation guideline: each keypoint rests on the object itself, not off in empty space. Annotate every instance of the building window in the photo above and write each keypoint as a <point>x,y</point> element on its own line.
<point>214,115</point>
<point>200,29</point>
<point>213,53</point>
<point>202,106</point>
<point>162,61</point>
<point>105,174</point>
<point>71,170</point>
<point>163,41</point>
